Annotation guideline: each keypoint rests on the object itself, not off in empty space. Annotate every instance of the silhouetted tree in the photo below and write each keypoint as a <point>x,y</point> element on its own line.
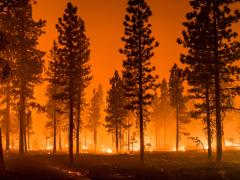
<point>115,119</point>
<point>84,77</point>
<point>6,46</point>
<point>212,45</point>
<point>74,76</point>
<point>137,73</point>
<point>95,115</point>
<point>177,99</point>
<point>28,63</point>
<point>199,59</point>
<point>165,108</point>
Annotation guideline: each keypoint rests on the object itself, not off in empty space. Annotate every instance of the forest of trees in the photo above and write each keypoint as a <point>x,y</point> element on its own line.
<point>203,83</point>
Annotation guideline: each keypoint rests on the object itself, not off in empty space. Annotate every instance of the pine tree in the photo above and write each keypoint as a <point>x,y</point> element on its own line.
<point>137,73</point>
<point>95,115</point>
<point>115,119</point>
<point>155,116</point>
<point>74,70</point>
<point>164,109</point>
<point>27,66</point>
<point>84,78</point>
<point>213,47</point>
<point>177,99</point>
<point>198,73</point>
<point>6,46</point>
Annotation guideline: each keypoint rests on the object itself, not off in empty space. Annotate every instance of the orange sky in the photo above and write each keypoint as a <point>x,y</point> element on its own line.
<point>104,19</point>
<point>104,26</point>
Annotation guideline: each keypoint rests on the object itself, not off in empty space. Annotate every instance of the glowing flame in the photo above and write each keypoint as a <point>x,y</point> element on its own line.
<point>107,150</point>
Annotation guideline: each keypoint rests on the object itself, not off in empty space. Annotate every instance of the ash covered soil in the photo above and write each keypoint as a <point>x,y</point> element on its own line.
<point>179,166</point>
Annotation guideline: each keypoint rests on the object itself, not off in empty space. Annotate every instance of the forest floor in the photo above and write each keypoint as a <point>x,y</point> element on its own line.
<point>179,166</point>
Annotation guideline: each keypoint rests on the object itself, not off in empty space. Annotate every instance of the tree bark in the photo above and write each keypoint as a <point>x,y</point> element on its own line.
<point>59,139</point>
<point>177,126</point>
<point>21,118</point>
<point>71,125</point>
<point>54,129</point>
<point>217,88</point>
<point>95,138</point>
<point>78,123</point>
<point>209,131</point>
<point>116,136</point>
<point>8,118</point>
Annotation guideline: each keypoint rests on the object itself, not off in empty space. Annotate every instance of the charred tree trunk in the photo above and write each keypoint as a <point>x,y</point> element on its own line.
<point>120,138</point>
<point>71,108</point>
<point>78,123</point>
<point>2,166</point>
<point>8,118</point>
<point>25,139</point>
<point>209,131</point>
<point>29,140</point>
<point>177,126</point>
<point>116,136</point>
<point>141,121</point>
<point>71,123</point>
<point>22,118</point>
<point>54,129</point>
<point>59,139</point>
<point>217,88</point>
<point>95,138</point>
<point>128,135</point>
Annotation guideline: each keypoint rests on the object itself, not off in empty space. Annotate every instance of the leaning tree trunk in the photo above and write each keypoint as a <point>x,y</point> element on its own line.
<point>2,166</point>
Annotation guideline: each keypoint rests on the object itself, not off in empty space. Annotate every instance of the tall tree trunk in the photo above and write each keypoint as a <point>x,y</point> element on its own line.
<point>217,87</point>
<point>59,139</point>
<point>95,138</point>
<point>2,166</point>
<point>120,138</point>
<point>8,118</point>
<point>22,118</point>
<point>71,126</point>
<point>54,129</point>
<point>85,139</point>
<point>209,132</point>
<point>140,98</point>
<point>78,123</point>
<point>116,136</point>
<point>29,140</point>
<point>177,126</point>
<point>141,123</point>
<point>25,139</point>
<point>128,136</point>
